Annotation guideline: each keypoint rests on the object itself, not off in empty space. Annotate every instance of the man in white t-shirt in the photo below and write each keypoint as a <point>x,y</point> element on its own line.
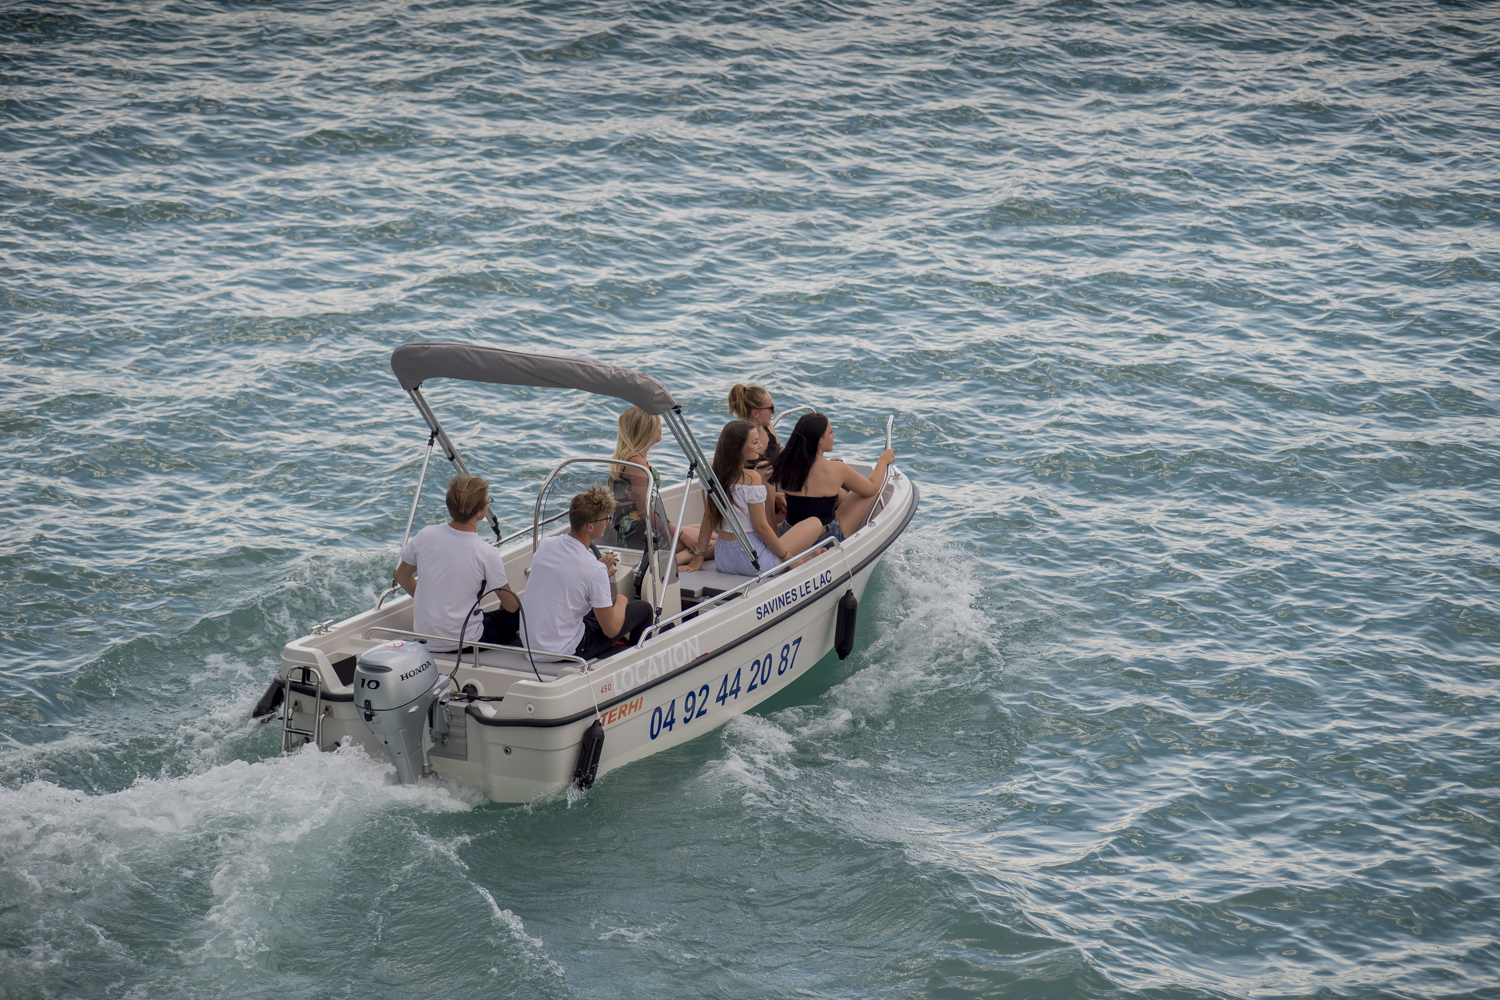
<point>457,569</point>
<point>569,605</point>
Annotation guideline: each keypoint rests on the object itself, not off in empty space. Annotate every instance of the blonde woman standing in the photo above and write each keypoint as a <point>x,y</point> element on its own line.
<point>638,432</point>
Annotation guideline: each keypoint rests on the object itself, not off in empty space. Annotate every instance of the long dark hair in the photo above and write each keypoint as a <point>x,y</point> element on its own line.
<point>769,453</point>
<point>728,467</point>
<point>789,470</point>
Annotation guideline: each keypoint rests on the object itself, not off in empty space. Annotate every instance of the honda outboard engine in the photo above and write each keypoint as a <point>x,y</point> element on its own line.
<point>394,687</point>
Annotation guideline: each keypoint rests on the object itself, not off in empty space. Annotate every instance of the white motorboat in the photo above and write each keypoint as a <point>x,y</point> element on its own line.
<point>520,724</point>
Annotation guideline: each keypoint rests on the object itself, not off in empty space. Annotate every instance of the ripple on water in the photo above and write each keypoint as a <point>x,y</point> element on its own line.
<point>1180,684</point>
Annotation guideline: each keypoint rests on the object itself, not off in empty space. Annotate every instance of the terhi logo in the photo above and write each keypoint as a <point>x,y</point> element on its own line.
<point>612,715</point>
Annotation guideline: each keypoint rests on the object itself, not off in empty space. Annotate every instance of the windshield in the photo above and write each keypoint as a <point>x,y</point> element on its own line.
<point>632,488</point>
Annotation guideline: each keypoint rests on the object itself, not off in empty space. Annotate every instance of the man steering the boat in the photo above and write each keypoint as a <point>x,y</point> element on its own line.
<point>570,606</point>
<point>458,569</point>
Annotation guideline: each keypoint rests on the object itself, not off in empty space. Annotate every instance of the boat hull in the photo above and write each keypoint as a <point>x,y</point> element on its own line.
<point>523,762</point>
<point>520,739</point>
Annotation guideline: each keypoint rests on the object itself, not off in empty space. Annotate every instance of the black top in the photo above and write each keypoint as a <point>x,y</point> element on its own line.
<point>768,455</point>
<point>801,508</point>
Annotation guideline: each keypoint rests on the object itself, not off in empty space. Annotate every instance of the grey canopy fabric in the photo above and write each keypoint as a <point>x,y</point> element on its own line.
<point>415,363</point>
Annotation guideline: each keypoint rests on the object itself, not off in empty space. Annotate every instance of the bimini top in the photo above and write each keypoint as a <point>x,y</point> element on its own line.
<point>415,363</point>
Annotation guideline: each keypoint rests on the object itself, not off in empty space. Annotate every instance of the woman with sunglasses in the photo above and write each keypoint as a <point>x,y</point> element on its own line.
<point>754,403</point>
<point>739,441</point>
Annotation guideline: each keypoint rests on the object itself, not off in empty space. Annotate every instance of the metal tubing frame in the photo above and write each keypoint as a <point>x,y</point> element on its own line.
<point>421,479</point>
<point>714,488</point>
<point>687,487</point>
<point>651,495</point>
<point>405,633</point>
<point>787,413</point>
<point>825,542</point>
<point>452,453</point>
<point>536,515</point>
<point>878,506</point>
<point>680,430</point>
<point>287,729</point>
<point>527,531</point>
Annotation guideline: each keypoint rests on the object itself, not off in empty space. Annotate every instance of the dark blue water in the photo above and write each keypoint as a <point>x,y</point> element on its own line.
<point>1182,684</point>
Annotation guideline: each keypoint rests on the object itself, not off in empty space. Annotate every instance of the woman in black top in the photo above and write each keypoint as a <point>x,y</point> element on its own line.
<point>813,484</point>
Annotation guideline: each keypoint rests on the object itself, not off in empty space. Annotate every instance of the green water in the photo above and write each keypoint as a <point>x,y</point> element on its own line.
<point>1182,684</point>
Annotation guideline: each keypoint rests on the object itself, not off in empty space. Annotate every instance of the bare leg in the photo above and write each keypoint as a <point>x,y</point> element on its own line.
<point>852,511</point>
<point>801,535</point>
<point>685,546</point>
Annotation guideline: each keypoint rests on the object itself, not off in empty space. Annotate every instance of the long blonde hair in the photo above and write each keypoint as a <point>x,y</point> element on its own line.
<point>742,397</point>
<point>637,433</point>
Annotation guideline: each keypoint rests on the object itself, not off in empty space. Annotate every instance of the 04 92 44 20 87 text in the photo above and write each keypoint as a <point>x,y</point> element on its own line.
<point>699,701</point>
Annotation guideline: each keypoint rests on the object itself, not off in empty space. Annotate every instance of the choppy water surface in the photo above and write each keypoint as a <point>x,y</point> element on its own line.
<point>1182,684</point>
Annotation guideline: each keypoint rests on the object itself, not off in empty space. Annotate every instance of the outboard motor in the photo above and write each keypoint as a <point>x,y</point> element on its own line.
<point>394,687</point>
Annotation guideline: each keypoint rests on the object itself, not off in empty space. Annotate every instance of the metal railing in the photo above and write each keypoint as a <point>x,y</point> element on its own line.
<point>825,542</point>
<point>407,634</point>
<point>453,458</point>
<point>787,413</point>
<point>535,527</point>
<point>541,494</point>
<point>888,482</point>
<point>310,675</point>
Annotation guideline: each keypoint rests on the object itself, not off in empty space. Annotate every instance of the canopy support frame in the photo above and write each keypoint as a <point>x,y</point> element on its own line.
<point>451,452</point>
<point>715,489</point>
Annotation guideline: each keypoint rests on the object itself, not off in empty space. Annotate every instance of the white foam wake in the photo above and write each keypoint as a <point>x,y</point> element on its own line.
<point>68,859</point>
<point>932,630</point>
<point>932,633</point>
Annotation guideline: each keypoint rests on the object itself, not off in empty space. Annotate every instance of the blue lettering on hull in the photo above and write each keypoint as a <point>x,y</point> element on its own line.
<point>787,598</point>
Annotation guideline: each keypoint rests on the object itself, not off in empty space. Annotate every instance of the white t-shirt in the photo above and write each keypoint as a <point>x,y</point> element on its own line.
<point>567,581</point>
<point>451,565</point>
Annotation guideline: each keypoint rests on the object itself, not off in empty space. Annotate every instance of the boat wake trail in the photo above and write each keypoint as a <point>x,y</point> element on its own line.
<point>929,630</point>
<point>926,641</point>
<point>232,859</point>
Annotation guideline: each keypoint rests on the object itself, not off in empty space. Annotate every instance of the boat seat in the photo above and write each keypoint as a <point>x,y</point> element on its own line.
<point>708,581</point>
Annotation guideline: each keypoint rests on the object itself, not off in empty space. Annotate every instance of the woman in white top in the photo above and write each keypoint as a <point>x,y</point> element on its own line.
<point>739,441</point>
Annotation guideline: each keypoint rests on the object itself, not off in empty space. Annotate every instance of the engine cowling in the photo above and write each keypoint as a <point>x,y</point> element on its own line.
<point>395,684</point>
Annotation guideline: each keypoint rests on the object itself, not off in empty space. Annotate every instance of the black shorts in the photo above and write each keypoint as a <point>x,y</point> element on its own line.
<point>501,627</point>
<point>595,643</point>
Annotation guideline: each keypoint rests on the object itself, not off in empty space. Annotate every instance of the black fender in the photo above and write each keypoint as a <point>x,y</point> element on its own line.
<point>843,629</point>
<point>269,701</point>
